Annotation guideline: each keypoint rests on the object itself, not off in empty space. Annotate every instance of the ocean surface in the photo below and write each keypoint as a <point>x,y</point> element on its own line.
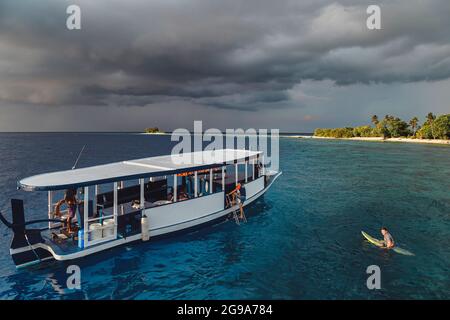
<point>302,240</point>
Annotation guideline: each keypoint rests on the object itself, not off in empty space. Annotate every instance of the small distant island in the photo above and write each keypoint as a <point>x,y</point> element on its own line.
<point>435,129</point>
<point>153,130</point>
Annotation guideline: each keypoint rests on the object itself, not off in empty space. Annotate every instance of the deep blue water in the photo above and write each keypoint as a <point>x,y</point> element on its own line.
<point>302,240</point>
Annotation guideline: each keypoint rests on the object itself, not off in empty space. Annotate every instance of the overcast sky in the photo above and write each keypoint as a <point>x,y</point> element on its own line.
<point>292,65</point>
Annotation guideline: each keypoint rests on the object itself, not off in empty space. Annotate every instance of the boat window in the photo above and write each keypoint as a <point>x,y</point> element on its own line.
<point>249,170</point>
<point>129,195</point>
<point>217,180</point>
<point>186,183</point>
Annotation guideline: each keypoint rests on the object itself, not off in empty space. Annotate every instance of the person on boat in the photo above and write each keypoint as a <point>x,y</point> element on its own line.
<point>388,239</point>
<point>238,195</point>
<point>71,201</point>
<point>183,194</point>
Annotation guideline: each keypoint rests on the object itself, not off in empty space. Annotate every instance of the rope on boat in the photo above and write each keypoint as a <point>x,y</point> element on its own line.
<point>31,247</point>
<point>5,222</point>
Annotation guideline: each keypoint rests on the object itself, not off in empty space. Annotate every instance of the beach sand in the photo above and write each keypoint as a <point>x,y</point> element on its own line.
<point>156,133</point>
<point>380,139</point>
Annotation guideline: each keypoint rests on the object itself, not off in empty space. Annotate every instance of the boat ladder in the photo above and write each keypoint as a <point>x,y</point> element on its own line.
<point>237,218</point>
<point>230,202</point>
<point>244,218</point>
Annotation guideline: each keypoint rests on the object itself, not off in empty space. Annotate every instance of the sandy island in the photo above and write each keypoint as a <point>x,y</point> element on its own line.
<point>155,133</point>
<point>381,139</point>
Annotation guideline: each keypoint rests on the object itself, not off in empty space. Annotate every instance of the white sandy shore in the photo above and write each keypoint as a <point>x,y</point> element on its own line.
<point>305,137</point>
<point>155,133</point>
<point>380,139</point>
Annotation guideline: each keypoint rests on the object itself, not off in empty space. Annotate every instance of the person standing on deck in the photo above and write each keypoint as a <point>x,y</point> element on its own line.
<point>71,201</point>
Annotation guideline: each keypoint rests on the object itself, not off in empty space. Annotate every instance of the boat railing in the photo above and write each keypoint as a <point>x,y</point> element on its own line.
<point>99,240</point>
<point>102,232</point>
<point>101,218</point>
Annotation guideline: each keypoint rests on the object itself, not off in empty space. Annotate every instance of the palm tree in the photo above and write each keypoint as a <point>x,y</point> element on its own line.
<point>374,119</point>
<point>413,123</point>
<point>430,118</point>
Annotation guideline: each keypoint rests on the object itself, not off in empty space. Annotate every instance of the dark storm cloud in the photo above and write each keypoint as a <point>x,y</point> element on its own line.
<point>240,55</point>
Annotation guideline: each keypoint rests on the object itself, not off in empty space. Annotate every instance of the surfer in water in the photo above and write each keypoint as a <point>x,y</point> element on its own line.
<point>388,240</point>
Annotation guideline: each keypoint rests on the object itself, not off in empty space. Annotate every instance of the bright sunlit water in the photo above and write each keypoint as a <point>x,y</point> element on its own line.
<point>302,240</point>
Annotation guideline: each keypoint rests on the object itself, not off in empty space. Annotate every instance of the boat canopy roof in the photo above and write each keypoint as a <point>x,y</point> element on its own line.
<point>135,169</point>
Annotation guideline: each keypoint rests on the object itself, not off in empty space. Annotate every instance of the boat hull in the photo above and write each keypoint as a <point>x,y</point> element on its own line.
<point>42,251</point>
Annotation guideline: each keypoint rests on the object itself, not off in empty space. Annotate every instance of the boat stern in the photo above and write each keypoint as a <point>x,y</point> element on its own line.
<point>25,244</point>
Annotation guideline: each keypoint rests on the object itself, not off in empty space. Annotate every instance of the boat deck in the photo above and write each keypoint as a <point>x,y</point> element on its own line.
<point>62,247</point>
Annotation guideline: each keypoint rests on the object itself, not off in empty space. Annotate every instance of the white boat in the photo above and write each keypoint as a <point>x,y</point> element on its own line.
<point>135,200</point>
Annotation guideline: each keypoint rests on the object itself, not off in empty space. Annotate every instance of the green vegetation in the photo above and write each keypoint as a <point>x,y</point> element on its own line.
<point>153,130</point>
<point>413,123</point>
<point>393,127</point>
<point>363,131</point>
<point>440,128</point>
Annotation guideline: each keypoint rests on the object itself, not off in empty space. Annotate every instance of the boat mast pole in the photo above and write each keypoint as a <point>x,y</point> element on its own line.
<point>263,165</point>
<point>50,208</point>
<point>142,198</point>
<point>253,168</point>
<point>115,209</point>
<point>86,215</point>
<point>195,185</point>
<point>94,201</point>
<point>78,158</point>
<point>223,178</point>
<point>210,180</point>
<point>175,185</point>
<point>246,172</point>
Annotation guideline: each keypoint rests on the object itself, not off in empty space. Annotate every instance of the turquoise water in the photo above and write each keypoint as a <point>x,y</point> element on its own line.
<point>302,240</point>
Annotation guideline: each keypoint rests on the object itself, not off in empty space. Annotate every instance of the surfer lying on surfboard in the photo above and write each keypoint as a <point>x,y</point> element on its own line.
<point>388,240</point>
<point>387,243</point>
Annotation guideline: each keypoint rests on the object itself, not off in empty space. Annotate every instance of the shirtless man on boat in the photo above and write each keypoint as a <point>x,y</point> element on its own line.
<point>71,201</point>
